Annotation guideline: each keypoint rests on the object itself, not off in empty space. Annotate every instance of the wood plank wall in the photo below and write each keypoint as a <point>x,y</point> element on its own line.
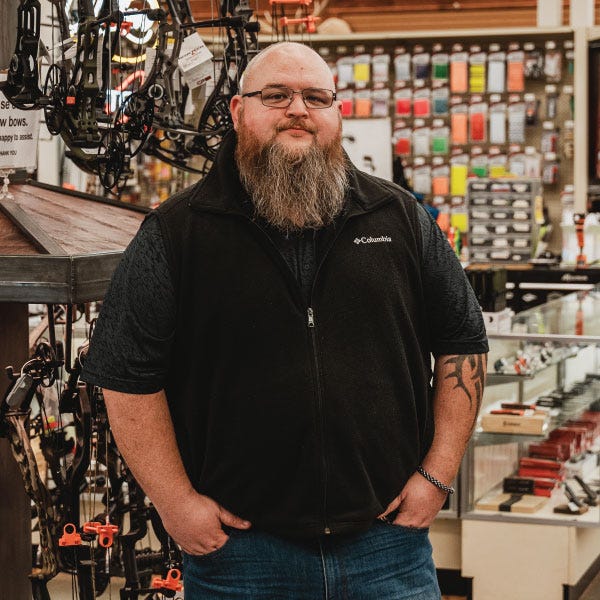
<point>408,15</point>
<point>8,18</point>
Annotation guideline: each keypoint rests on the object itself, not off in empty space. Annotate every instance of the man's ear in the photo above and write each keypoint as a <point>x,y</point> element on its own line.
<point>235,106</point>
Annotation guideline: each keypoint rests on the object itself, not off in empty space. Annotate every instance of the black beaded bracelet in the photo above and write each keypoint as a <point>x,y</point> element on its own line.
<point>438,484</point>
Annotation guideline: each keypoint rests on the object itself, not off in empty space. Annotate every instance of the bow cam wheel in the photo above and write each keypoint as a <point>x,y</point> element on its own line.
<point>55,89</point>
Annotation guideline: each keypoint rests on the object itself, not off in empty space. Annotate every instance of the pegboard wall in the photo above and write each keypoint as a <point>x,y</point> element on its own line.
<point>508,108</point>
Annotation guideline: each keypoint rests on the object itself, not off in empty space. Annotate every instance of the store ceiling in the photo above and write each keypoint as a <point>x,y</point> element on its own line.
<point>392,15</point>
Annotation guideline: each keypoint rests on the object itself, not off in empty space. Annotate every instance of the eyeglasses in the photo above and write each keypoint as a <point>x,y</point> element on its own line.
<point>281,97</point>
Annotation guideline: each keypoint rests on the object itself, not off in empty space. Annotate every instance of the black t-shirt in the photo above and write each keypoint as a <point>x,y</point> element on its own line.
<point>135,330</point>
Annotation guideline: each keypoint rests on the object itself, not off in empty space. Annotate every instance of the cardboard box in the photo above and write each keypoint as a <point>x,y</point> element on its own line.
<point>530,425</point>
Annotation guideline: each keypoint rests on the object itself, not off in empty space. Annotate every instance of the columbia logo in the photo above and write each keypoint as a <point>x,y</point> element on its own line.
<point>372,240</point>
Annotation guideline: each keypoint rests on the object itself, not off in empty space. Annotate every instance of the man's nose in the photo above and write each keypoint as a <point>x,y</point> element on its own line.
<point>297,106</point>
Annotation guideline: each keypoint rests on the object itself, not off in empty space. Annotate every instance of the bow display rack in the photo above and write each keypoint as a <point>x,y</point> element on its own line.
<point>112,82</point>
<point>89,516</point>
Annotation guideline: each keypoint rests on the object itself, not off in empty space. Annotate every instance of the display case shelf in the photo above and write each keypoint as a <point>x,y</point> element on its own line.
<point>544,516</point>
<point>572,318</point>
<point>500,378</point>
<point>484,438</point>
<point>570,328</point>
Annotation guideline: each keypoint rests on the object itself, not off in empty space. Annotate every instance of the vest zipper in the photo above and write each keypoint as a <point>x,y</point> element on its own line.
<point>311,325</point>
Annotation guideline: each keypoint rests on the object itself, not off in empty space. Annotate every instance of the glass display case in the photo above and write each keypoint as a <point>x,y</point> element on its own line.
<point>534,455</point>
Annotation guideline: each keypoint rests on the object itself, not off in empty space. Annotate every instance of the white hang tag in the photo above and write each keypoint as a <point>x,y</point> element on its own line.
<point>195,61</point>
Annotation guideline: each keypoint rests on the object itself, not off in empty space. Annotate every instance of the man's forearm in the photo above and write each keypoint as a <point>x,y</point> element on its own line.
<point>143,430</point>
<point>458,389</point>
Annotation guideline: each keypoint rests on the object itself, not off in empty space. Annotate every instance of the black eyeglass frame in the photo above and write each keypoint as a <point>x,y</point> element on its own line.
<point>291,98</point>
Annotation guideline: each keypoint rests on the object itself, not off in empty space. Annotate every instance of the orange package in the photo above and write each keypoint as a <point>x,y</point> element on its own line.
<point>440,186</point>
<point>515,80</point>
<point>458,126</point>
<point>459,77</point>
<point>362,107</point>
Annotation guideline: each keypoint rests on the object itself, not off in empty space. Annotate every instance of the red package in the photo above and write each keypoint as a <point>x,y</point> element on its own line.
<point>347,107</point>
<point>540,463</point>
<point>545,482</point>
<point>402,146</point>
<point>551,450</point>
<point>477,122</point>
<point>575,435</point>
<point>422,107</point>
<point>403,107</point>
<point>544,473</point>
<point>592,428</point>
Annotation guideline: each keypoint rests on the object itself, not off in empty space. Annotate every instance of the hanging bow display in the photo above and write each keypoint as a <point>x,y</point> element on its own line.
<point>113,86</point>
<point>91,515</point>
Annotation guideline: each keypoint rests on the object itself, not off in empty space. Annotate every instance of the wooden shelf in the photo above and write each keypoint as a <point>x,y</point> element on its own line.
<point>59,247</point>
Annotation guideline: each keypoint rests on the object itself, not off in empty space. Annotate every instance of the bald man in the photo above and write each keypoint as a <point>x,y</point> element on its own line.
<point>265,352</point>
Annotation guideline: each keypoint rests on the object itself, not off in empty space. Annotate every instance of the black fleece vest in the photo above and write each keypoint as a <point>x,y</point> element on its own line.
<point>304,419</point>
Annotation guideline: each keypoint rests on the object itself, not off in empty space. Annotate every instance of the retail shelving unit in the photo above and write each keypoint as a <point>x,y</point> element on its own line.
<point>572,170</point>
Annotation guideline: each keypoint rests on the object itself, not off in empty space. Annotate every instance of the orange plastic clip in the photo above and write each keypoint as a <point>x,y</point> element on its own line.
<point>70,100</point>
<point>301,2</point>
<point>172,582</point>
<point>105,532</point>
<point>310,22</point>
<point>70,537</point>
<point>126,27</point>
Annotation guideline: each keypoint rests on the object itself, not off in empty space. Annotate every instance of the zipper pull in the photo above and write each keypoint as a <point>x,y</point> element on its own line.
<point>311,317</point>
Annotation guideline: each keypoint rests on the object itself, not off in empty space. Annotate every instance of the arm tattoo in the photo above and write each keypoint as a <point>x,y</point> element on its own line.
<point>477,375</point>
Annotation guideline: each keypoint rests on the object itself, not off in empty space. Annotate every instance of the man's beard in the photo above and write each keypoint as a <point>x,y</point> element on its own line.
<point>293,189</point>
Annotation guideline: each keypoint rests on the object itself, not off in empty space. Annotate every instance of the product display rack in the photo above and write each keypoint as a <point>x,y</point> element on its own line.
<point>500,550</point>
<point>571,109</point>
<point>502,219</point>
<point>568,321</point>
<point>438,168</point>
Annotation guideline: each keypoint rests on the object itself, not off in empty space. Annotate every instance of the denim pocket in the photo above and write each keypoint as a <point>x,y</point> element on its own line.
<point>218,551</point>
<point>410,529</point>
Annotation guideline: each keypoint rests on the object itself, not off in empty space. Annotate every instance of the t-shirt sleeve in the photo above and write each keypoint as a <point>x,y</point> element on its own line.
<point>455,321</point>
<point>131,343</point>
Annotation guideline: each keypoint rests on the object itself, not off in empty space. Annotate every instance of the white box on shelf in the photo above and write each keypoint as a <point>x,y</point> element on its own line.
<point>498,322</point>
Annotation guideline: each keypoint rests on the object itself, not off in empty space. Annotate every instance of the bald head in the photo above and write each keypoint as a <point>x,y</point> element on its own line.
<point>295,68</point>
<point>297,56</point>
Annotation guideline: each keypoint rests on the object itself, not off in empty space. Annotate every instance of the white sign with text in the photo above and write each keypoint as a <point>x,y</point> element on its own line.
<point>19,131</point>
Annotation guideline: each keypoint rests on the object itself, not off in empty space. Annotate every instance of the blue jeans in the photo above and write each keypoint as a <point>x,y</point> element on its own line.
<point>388,562</point>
